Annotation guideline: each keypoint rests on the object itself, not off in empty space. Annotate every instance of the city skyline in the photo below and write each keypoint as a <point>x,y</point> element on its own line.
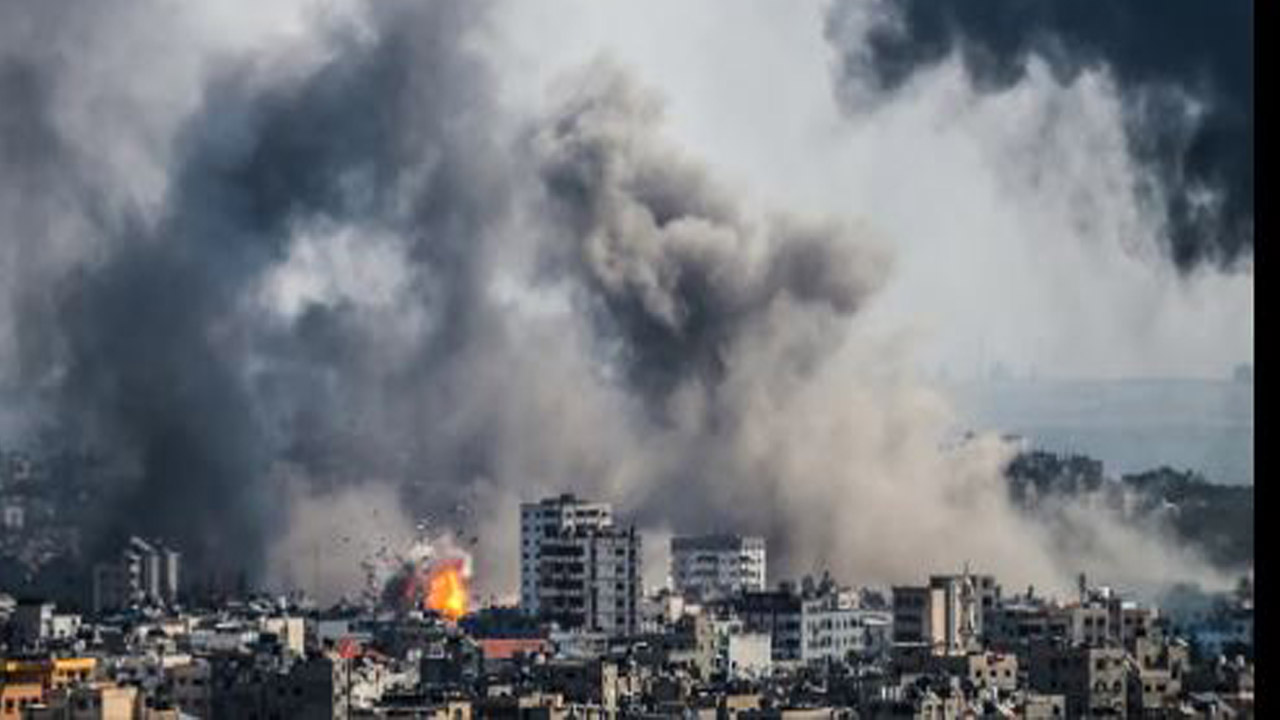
<point>286,284</point>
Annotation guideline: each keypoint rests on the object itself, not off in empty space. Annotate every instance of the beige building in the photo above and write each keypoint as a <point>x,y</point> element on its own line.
<point>291,632</point>
<point>1095,681</point>
<point>988,670</point>
<point>16,697</point>
<point>94,701</point>
<point>947,616</point>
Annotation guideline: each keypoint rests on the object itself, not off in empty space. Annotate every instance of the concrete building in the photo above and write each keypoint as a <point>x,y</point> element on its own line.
<point>578,568</point>
<point>742,655</point>
<point>1017,624</point>
<point>710,567</point>
<point>188,686</point>
<point>1036,706</point>
<point>1103,618</point>
<point>1089,625</point>
<point>911,617</point>
<point>1094,681</point>
<point>777,613</point>
<point>35,624</point>
<point>548,519</point>
<point>948,616</point>
<point>834,631</point>
<point>93,701</point>
<point>318,687</point>
<point>592,683</point>
<point>662,609</point>
<point>16,698</point>
<point>1162,671</point>
<point>591,579</point>
<point>146,573</point>
<point>983,670</point>
<point>289,631</point>
<point>47,672</point>
<point>818,625</point>
<point>1137,623</point>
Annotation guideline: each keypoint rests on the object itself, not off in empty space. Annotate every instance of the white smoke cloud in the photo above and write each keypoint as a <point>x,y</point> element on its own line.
<point>343,543</point>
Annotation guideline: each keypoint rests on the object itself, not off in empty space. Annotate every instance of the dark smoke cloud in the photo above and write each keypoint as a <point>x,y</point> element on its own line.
<point>164,355</point>
<point>684,286</point>
<point>673,269</point>
<point>1160,54</point>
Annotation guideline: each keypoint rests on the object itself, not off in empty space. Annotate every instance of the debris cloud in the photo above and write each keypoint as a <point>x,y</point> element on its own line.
<point>360,283</point>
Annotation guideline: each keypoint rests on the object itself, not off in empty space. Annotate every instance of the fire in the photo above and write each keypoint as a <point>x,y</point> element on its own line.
<point>447,589</point>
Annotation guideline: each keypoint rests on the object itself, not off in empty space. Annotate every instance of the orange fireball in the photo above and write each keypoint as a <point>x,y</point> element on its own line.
<point>447,589</point>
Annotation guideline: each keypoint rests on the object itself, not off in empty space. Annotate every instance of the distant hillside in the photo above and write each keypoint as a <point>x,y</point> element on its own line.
<point>1131,425</point>
<point>1217,519</point>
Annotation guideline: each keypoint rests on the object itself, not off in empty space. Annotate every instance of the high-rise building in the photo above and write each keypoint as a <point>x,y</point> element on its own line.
<point>577,567</point>
<point>711,567</point>
<point>547,519</point>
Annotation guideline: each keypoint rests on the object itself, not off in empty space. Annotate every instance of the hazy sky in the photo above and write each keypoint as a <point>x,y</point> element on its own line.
<point>1016,236</point>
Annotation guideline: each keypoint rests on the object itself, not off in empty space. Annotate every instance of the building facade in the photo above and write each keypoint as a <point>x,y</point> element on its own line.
<point>577,568</point>
<point>710,567</point>
<point>31,623</point>
<point>946,617</point>
<point>833,631</point>
<point>777,613</point>
<point>546,520</point>
<point>1094,680</point>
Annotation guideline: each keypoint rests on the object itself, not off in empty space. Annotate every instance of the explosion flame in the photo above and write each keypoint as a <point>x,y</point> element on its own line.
<point>433,573</point>
<point>447,589</point>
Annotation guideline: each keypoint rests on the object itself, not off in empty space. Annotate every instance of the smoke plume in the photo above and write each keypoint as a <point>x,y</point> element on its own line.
<point>1185,70</point>
<point>348,267</point>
